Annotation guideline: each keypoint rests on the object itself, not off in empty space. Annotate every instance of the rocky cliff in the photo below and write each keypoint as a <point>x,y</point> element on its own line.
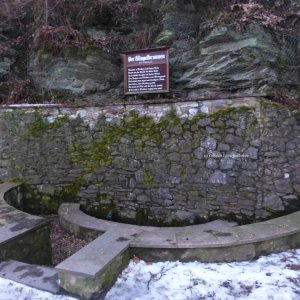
<point>54,50</point>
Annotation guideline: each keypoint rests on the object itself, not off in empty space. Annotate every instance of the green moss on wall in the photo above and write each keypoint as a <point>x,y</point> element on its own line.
<point>68,192</point>
<point>41,127</point>
<point>149,180</point>
<point>37,202</point>
<point>140,129</point>
<point>19,180</point>
<point>271,104</point>
<point>230,111</point>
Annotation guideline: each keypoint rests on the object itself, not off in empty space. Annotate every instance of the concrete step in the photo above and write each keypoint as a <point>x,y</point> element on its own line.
<point>97,255</point>
<point>39,277</point>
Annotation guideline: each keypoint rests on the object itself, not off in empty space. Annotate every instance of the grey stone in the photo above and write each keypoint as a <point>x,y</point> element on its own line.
<point>132,183</point>
<point>290,198</point>
<point>195,178</point>
<point>252,153</point>
<point>216,69</point>
<point>272,154</point>
<point>139,176</point>
<point>199,152</point>
<point>176,170</point>
<point>249,165</point>
<point>174,156</point>
<point>168,203</point>
<point>273,203</point>
<point>218,178</point>
<point>164,193</point>
<point>283,186</point>
<point>204,122</point>
<point>223,147</point>
<point>245,180</point>
<point>212,164</point>
<point>175,179</point>
<point>255,143</point>
<point>62,72</point>
<point>209,143</point>
<point>232,139</point>
<point>143,198</point>
<point>227,163</point>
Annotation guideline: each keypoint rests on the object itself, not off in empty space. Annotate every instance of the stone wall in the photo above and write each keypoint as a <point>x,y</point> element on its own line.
<point>160,164</point>
<point>23,237</point>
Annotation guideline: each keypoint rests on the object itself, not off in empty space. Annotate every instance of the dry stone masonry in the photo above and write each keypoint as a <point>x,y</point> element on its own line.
<point>159,164</point>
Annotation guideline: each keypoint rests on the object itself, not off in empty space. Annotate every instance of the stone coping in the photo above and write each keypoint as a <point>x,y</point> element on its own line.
<point>15,223</point>
<point>214,234</point>
<point>131,102</point>
<point>86,272</point>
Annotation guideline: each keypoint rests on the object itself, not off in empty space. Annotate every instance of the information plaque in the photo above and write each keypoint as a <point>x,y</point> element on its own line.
<point>146,71</point>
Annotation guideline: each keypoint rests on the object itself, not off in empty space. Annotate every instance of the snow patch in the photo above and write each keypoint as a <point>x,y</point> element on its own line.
<point>273,277</point>
<point>10,290</point>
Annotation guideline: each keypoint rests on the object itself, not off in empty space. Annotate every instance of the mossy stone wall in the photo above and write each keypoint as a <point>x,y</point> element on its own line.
<point>168,164</point>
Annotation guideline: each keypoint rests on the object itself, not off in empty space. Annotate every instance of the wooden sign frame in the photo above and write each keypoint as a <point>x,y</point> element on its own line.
<point>146,71</point>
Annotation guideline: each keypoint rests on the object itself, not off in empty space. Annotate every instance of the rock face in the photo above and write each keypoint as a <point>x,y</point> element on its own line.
<point>74,71</point>
<point>158,164</point>
<point>230,60</point>
<point>211,53</point>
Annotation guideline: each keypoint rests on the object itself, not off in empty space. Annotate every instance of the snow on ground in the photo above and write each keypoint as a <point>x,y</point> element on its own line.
<point>273,277</point>
<point>10,290</point>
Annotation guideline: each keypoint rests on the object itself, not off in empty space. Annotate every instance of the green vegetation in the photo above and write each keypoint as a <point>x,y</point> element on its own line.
<point>141,129</point>
<point>39,202</point>
<point>271,104</point>
<point>68,193</point>
<point>149,180</point>
<point>138,128</point>
<point>41,127</point>
<point>19,180</point>
<point>230,111</point>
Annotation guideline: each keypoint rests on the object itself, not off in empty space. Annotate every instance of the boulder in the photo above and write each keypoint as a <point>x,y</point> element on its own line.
<point>74,71</point>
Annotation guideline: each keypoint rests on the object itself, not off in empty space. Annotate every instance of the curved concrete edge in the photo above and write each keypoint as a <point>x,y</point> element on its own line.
<point>93,270</point>
<point>210,235</point>
<point>23,237</point>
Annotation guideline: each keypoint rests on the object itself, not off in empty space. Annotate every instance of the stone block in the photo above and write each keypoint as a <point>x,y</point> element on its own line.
<point>212,164</point>
<point>232,139</point>
<point>227,163</point>
<point>209,143</point>
<point>283,186</point>
<point>218,178</point>
<point>273,203</point>
<point>199,153</point>
<point>252,153</point>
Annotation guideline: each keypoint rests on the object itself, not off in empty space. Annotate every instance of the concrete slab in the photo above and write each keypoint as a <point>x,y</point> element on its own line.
<point>94,257</point>
<point>42,278</point>
<point>157,239</point>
